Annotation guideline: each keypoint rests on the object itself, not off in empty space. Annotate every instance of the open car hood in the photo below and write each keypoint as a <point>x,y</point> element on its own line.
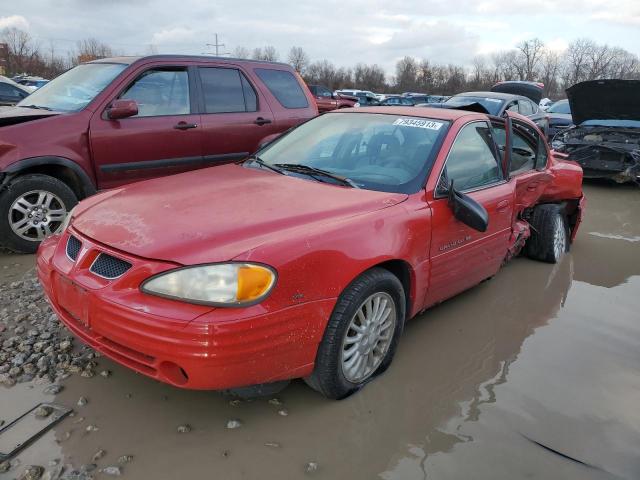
<point>525,89</point>
<point>604,100</point>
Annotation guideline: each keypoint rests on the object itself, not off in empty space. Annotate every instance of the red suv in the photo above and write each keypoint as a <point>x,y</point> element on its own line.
<point>114,121</point>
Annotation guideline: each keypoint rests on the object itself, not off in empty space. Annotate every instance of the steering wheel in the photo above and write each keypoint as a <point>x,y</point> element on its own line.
<point>397,161</point>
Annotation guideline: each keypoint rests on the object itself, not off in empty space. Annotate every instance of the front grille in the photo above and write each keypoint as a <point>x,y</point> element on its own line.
<point>73,247</point>
<point>109,267</point>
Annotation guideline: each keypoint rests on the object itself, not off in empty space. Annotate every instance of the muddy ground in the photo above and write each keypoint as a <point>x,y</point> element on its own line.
<point>534,374</point>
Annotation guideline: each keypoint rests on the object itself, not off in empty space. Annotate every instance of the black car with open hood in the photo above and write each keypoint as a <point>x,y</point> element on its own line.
<point>605,140</point>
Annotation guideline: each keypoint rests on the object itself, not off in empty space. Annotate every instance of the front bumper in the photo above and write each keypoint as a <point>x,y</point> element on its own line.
<point>189,346</point>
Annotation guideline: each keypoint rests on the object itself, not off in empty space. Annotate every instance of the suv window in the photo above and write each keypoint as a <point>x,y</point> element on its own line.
<point>525,107</point>
<point>284,86</point>
<point>323,92</point>
<point>472,161</point>
<point>160,92</point>
<point>226,90</point>
<point>529,150</point>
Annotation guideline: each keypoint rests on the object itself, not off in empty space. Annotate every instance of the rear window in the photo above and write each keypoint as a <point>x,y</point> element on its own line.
<point>226,90</point>
<point>284,86</point>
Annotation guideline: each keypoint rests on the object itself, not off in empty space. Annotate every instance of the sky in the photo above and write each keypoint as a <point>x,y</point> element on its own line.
<point>345,32</point>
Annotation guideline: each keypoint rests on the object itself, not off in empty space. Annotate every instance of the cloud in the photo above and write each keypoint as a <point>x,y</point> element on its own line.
<point>17,21</point>
<point>173,35</point>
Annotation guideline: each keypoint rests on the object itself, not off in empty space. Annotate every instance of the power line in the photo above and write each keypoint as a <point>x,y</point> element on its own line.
<point>217,46</point>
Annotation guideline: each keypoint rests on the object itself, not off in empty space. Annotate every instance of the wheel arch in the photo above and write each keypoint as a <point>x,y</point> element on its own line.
<point>62,169</point>
<point>403,271</point>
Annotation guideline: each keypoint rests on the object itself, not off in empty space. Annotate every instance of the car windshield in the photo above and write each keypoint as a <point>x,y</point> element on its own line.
<point>74,89</point>
<point>492,105</point>
<point>389,153</point>
<point>560,107</point>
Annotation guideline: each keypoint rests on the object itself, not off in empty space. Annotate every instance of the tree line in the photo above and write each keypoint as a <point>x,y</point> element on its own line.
<point>583,59</point>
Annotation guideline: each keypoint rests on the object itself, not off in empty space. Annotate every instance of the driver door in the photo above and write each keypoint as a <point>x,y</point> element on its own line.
<point>461,257</point>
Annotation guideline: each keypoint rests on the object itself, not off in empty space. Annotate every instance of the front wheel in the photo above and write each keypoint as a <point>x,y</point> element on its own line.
<point>361,336</point>
<point>549,239</point>
<point>33,207</point>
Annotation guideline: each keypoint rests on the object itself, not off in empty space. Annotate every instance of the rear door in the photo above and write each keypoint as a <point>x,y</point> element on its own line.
<point>235,114</point>
<point>461,256</point>
<point>165,136</point>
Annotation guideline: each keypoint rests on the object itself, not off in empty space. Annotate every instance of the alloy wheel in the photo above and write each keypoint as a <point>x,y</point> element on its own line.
<point>36,214</point>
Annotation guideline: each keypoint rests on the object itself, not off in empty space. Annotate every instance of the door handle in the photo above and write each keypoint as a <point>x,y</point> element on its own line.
<point>503,205</point>
<point>185,126</point>
<point>262,121</point>
<point>532,186</point>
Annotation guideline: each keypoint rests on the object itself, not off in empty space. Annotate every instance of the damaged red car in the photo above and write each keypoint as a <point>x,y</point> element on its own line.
<point>306,260</point>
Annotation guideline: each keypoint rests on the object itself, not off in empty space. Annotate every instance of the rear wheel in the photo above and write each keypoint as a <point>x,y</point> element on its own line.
<point>33,207</point>
<point>361,336</point>
<point>549,234</point>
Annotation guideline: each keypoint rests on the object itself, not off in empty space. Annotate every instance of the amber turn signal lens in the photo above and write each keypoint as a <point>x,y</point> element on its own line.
<point>253,282</point>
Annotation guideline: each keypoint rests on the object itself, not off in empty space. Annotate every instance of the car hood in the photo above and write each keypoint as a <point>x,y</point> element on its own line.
<point>216,214</point>
<point>532,92</point>
<point>604,100</point>
<point>14,115</point>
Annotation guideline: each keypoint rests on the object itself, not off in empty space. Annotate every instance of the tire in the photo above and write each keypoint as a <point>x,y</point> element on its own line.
<point>549,234</point>
<point>329,377</point>
<point>47,199</point>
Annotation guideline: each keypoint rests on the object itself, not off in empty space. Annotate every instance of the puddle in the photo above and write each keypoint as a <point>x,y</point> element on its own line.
<point>534,374</point>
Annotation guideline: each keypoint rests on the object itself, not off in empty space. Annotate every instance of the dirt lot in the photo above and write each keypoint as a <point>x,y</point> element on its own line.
<point>534,374</point>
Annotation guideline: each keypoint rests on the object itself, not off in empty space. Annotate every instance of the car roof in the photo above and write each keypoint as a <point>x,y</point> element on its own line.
<point>128,60</point>
<point>497,95</point>
<point>448,114</point>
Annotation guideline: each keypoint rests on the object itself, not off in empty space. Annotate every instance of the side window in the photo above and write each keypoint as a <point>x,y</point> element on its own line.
<point>529,150</point>
<point>471,162</point>
<point>226,90</point>
<point>160,92</point>
<point>10,91</point>
<point>324,92</point>
<point>513,107</point>
<point>525,107</point>
<point>284,86</point>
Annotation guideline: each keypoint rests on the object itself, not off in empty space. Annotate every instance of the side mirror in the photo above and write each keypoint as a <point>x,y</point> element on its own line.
<point>467,210</point>
<point>122,108</point>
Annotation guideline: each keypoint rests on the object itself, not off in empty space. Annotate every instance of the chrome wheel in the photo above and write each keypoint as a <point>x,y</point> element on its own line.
<point>36,214</point>
<point>368,337</point>
<point>559,237</point>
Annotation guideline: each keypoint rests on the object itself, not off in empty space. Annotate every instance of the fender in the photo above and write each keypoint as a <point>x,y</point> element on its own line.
<point>86,184</point>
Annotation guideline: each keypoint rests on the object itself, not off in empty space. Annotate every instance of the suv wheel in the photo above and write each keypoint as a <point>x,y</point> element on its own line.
<point>33,207</point>
<point>549,234</point>
<point>361,336</point>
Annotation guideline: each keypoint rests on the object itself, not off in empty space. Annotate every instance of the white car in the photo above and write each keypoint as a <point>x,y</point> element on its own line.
<point>545,103</point>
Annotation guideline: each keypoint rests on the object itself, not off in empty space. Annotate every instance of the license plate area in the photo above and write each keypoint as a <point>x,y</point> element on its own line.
<point>73,299</point>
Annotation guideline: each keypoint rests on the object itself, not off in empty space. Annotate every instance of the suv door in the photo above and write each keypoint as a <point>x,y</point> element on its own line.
<point>165,136</point>
<point>461,256</point>
<point>235,115</point>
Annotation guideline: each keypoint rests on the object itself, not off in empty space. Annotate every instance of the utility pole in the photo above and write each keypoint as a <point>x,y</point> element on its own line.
<point>217,46</point>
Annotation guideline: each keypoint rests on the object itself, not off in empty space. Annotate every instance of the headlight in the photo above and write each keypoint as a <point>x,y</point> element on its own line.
<point>67,220</point>
<point>222,284</point>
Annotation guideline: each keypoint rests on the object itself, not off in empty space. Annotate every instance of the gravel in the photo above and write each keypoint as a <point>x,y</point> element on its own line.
<point>34,345</point>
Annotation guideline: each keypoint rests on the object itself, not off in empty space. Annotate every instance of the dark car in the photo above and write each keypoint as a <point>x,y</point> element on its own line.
<point>11,92</point>
<point>605,138</point>
<point>556,119</point>
<point>366,100</point>
<point>493,103</point>
<point>328,100</point>
<point>397,101</point>
<point>118,120</point>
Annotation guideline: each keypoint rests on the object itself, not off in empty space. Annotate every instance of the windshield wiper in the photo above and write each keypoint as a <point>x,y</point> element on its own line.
<point>313,171</point>
<point>262,163</point>
<point>38,107</point>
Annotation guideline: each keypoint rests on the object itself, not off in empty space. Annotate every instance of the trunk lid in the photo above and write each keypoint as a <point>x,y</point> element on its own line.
<point>604,100</point>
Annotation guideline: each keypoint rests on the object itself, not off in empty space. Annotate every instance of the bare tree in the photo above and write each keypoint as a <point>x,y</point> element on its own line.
<point>241,52</point>
<point>369,77</point>
<point>92,49</point>
<point>407,74</point>
<point>530,55</point>
<point>298,59</point>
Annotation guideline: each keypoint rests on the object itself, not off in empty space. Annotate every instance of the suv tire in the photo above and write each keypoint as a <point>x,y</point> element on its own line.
<point>36,202</point>
<point>375,292</point>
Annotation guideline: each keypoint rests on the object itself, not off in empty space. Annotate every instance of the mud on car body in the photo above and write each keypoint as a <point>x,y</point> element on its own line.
<point>306,259</point>
<point>605,139</point>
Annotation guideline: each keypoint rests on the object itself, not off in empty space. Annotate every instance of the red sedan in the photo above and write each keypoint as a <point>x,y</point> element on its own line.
<point>307,259</point>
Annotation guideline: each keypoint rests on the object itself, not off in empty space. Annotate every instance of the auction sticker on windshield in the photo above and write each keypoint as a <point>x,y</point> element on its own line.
<point>418,123</point>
